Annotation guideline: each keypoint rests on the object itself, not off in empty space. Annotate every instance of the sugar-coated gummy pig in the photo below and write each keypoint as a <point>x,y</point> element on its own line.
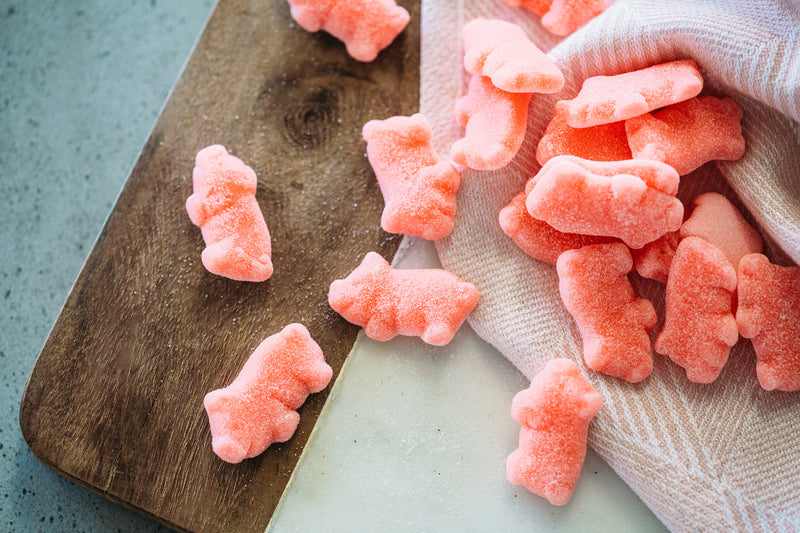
<point>501,51</point>
<point>494,122</point>
<point>555,412</point>
<point>688,134</point>
<point>418,188</point>
<point>606,142</point>
<point>429,303</point>
<point>631,200</point>
<point>654,258</point>
<point>562,17</point>
<point>259,407</point>
<point>715,219</point>
<point>614,323</point>
<point>768,313</point>
<point>699,328</point>
<point>365,26</point>
<point>604,99</point>
<point>539,239</point>
<point>539,7</point>
<point>224,206</point>
<point>566,16</point>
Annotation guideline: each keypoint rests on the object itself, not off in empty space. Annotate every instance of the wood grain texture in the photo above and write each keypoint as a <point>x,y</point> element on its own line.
<point>114,401</point>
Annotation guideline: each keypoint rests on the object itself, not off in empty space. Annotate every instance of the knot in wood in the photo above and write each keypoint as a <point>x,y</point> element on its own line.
<point>308,122</point>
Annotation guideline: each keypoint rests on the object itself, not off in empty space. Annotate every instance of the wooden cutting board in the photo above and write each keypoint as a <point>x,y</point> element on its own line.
<point>114,401</point>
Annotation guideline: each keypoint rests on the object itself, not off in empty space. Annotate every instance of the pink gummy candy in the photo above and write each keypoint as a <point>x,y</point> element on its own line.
<point>769,314</point>
<point>606,142</point>
<point>418,188</point>
<point>688,134</point>
<point>554,412</point>
<point>631,200</point>
<point>224,206</point>
<point>502,51</point>
<point>614,324</point>
<point>365,26</point>
<point>654,258</point>
<point>699,328</point>
<point>430,303</point>
<point>540,7</point>
<point>605,99</point>
<point>258,408</point>
<point>717,220</point>
<point>495,122</point>
<point>566,16</point>
<point>539,239</point>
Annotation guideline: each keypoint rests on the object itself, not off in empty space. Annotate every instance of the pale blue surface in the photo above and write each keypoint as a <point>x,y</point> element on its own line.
<point>81,84</point>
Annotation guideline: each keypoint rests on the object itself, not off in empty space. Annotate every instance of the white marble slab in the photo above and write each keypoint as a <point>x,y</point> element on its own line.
<point>415,438</point>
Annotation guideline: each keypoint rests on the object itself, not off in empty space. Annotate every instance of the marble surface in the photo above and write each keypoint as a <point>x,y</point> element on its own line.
<point>81,85</point>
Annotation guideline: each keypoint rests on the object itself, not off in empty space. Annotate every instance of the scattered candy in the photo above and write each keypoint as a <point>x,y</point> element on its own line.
<point>365,26</point>
<point>606,142</point>
<point>688,134</point>
<point>430,303</point>
<point>259,407</point>
<point>614,324</point>
<point>539,239</point>
<point>654,258</point>
<point>554,412</point>
<point>768,313</point>
<point>717,220</point>
<point>699,328</point>
<point>418,188</point>
<point>631,200</point>
<point>224,206</point>
<point>502,51</point>
<point>494,121</point>
<point>605,99</point>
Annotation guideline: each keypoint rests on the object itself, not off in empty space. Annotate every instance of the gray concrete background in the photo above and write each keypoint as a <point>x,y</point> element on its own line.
<point>81,84</point>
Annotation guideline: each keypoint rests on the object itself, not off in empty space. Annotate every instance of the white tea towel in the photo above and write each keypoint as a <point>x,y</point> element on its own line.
<point>719,457</point>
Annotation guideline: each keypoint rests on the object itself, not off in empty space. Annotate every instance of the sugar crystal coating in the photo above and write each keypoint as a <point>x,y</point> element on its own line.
<point>259,407</point>
<point>606,142</point>
<point>224,206</point>
<point>539,239</point>
<point>699,328</point>
<point>630,200</point>
<point>614,323</point>
<point>605,99</point>
<point>540,7</point>
<point>502,51</point>
<point>768,313</point>
<point>494,122</point>
<point>418,188</point>
<point>429,303</point>
<point>654,258</point>
<point>688,134</point>
<point>365,26</point>
<point>554,412</point>
<point>566,16</point>
<point>715,219</point>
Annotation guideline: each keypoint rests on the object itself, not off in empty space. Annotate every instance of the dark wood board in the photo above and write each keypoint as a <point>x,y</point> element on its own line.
<point>114,401</point>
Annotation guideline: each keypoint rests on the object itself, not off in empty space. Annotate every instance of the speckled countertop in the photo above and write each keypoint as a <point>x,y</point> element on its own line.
<point>81,84</point>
